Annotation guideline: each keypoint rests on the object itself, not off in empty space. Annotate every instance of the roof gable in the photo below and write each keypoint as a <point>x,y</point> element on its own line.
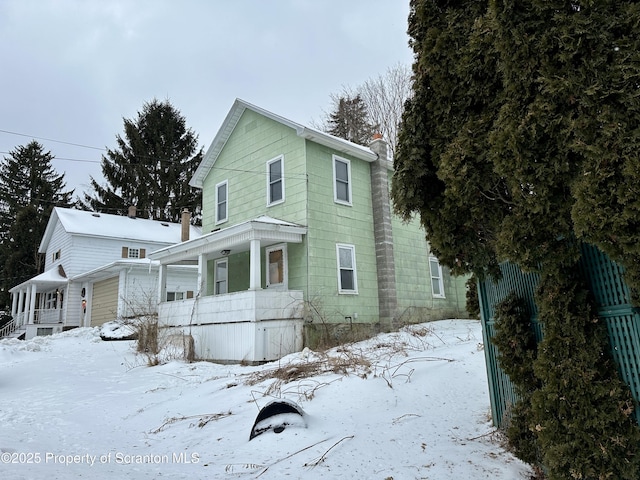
<point>231,120</point>
<point>80,222</point>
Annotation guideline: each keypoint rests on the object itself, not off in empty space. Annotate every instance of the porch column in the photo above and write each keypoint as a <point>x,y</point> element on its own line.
<point>254,266</point>
<point>203,275</point>
<point>14,304</point>
<point>32,303</point>
<point>162,283</point>
<point>22,311</point>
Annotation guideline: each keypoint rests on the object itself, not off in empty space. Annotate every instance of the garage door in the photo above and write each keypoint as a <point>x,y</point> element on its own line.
<point>104,301</point>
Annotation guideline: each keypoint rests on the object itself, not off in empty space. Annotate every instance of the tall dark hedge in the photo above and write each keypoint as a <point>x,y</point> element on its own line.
<point>520,141</point>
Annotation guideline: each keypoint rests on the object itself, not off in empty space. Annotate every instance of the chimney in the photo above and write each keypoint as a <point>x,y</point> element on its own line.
<point>132,211</point>
<point>383,234</point>
<point>186,224</point>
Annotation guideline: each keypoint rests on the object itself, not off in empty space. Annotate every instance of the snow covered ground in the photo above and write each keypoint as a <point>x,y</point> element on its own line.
<point>408,405</point>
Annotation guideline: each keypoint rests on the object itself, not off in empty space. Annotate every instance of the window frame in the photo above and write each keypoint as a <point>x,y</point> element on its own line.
<point>175,295</point>
<point>354,269</point>
<point>270,201</point>
<point>439,279</point>
<point>219,220</point>
<point>347,162</point>
<point>216,280</point>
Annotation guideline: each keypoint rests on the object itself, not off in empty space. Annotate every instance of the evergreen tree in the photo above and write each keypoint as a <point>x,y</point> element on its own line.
<point>350,120</point>
<point>521,140</point>
<point>151,167</point>
<point>29,189</point>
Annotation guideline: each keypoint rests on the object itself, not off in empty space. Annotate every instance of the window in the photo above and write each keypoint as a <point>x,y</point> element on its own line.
<point>347,278</point>
<point>341,180</point>
<point>222,195</point>
<point>220,277</point>
<point>276,266</point>
<point>133,252</point>
<point>275,181</point>
<point>56,256</point>
<point>173,296</point>
<point>44,331</point>
<point>437,285</point>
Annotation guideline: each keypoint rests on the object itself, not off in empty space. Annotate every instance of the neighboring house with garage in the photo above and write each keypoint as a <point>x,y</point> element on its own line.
<point>97,270</point>
<point>299,245</point>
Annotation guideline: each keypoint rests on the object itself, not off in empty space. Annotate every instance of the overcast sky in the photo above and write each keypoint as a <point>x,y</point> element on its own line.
<point>71,70</point>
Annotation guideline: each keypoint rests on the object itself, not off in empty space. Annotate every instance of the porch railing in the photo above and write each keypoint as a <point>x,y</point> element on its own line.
<point>249,305</point>
<point>47,315</point>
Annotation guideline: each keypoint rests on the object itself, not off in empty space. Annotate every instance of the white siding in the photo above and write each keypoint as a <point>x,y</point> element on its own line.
<point>61,241</point>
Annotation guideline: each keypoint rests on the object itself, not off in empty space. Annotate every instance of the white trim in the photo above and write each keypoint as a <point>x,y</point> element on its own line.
<point>279,158</point>
<point>217,280</point>
<point>334,160</point>
<point>438,279</point>
<point>217,205</point>
<point>352,249</point>
<point>285,268</point>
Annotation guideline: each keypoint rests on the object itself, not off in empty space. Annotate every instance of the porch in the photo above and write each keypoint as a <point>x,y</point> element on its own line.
<point>251,326</point>
<point>241,311</point>
<point>38,306</point>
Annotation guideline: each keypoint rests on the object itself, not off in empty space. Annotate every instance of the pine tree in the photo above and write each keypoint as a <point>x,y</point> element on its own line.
<point>29,189</point>
<point>520,141</point>
<point>151,167</point>
<point>350,120</point>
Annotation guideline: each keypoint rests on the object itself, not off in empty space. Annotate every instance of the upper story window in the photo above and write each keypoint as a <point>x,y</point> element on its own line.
<point>222,201</point>
<point>56,256</point>
<point>347,276</point>
<point>133,252</point>
<point>341,180</point>
<point>437,283</point>
<point>275,180</point>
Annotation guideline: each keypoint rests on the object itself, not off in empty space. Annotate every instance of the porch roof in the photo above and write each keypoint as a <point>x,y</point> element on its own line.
<point>236,238</point>
<point>50,278</point>
<point>112,269</point>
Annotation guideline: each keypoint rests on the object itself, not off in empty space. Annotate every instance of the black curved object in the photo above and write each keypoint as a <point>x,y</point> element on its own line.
<point>273,409</point>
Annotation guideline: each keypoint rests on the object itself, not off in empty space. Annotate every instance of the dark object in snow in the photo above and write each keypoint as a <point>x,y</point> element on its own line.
<point>276,416</point>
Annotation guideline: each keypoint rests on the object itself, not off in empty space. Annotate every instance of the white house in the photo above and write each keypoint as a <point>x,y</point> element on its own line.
<point>96,270</point>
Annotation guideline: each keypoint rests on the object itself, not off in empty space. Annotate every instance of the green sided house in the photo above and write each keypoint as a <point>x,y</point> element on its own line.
<point>299,245</point>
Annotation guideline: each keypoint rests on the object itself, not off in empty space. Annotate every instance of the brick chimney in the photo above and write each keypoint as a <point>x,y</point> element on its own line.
<point>132,211</point>
<point>186,224</point>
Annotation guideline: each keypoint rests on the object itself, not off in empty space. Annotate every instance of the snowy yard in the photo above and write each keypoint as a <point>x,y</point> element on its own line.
<point>409,405</point>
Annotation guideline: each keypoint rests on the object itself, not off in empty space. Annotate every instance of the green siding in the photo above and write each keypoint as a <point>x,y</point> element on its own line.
<point>243,163</point>
<point>331,223</point>
<point>413,279</point>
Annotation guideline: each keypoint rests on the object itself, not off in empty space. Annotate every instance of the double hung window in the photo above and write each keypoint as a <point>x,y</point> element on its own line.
<point>341,180</point>
<point>437,284</point>
<point>222,201</point>
<point>347,275</point>
<point>275,181</point>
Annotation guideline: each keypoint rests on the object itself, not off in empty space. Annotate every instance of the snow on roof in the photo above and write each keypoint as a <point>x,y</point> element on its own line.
<point>50,277</point>
<point>80,222</point>
<point>275,221</point>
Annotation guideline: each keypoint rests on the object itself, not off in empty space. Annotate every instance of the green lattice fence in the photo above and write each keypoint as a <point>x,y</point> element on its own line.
<point>613,303</point>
